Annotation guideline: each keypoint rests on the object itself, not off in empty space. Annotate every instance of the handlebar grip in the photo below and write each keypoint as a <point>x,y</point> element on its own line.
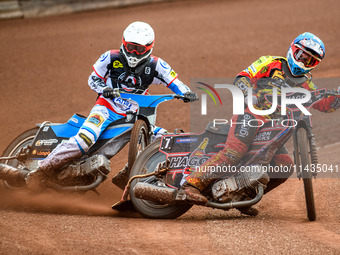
<point>332,94</point>
<point>178,96</point>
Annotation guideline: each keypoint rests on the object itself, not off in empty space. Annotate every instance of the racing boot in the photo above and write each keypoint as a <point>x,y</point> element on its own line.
<point>122,178</point>
<point>192,194</point>
<point>62,154</point>
<point>251,211</point>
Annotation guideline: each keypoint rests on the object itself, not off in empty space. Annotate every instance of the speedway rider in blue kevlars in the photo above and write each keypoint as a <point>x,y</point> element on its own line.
<point>132,69</point>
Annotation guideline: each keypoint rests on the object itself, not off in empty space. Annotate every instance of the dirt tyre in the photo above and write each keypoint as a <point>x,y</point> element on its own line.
<point>138,141</point>
<point>146,163</point>
<point>22,141</point>
<point>305,164</point>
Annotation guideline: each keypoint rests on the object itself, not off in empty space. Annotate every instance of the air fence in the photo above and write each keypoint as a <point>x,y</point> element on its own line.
<point>11,9</point>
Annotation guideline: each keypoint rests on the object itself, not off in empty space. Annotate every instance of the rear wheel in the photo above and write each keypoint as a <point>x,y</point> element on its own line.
<point>21,142</point>
<point>147,163</point>
<point>305,166</point>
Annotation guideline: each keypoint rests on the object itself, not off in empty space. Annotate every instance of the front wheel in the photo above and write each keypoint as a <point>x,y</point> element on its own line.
<point>21,142</point>
<point>146,163</point>
<point>138,141</point>
<point>303,148</point>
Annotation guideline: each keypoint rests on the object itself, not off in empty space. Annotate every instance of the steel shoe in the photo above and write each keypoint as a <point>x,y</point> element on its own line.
<point>251,211</point>
<point>191,194</point>
<point>122,178</point>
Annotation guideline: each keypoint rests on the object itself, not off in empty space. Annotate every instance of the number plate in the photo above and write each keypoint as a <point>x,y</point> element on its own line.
<point>167,142</point>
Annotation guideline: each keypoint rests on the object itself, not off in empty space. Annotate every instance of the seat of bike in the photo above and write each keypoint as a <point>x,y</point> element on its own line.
<point>77,120</point>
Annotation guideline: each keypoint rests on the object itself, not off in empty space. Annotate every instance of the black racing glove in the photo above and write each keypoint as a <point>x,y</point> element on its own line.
<point>190,97</point>
<point>110,93</point>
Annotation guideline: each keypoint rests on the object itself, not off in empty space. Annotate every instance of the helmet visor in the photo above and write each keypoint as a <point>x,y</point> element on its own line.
<point>302,55</point>
<point>137,48</point>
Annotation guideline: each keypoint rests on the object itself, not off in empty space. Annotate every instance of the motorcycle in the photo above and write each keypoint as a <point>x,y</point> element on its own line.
<point>158,172</point>
<point>24,153</point>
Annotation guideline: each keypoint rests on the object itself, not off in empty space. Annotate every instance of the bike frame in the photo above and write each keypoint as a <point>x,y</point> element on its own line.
<point>148,104</point>
<point>118,130</point>
<point>258,156</point>
<point>265,154</point>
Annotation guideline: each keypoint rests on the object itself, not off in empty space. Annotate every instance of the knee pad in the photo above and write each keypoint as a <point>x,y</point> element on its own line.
<point>97,121</point>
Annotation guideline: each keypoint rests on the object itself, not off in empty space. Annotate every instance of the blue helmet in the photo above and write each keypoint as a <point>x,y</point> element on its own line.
<point>305,53</point>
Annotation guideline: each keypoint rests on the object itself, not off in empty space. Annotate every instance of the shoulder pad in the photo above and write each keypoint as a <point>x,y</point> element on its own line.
<point>163,64</point>
<point>260,63</point>
<point>279,58</point>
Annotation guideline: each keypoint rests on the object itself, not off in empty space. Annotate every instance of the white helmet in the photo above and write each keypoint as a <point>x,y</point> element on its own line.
<point>138,41</point>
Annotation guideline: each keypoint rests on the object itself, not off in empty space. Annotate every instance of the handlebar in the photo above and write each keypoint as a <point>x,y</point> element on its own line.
<point>332,93</point>
<point>178,96</point>
<point>191,97</point>
<point>316,95</point>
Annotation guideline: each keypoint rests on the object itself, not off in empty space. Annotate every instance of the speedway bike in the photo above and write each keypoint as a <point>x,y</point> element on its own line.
<point>23,154</point>
<point>157,174</point>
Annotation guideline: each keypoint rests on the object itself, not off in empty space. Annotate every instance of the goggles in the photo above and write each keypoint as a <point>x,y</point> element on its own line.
<point>304,56</point>
<point>137,48</point>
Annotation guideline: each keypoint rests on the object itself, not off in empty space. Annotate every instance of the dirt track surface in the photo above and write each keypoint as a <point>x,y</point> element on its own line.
<point>44,66</point>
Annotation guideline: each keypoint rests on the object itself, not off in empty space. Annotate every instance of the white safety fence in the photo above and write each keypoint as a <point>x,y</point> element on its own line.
<point>39,8</point>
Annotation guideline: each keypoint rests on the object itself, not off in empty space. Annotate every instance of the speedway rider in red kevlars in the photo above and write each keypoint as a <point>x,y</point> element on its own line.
<point>304,54</point>
<point>132,69</point>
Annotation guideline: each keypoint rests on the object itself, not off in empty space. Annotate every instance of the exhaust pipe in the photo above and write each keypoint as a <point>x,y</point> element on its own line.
<point>92,186</point>
<point>12,174</point>
<point>165,195</point>
<point>239,204</point>
<point>159,195</point>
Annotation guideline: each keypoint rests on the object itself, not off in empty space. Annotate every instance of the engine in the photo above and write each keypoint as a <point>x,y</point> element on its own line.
<point>85,171</point>
<point>240,186</point>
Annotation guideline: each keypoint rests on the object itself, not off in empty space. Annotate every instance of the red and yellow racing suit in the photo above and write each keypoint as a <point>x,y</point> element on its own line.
<point>237,144</point>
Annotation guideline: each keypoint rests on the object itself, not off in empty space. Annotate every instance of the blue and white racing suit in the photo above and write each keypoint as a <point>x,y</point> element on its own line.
<point>109,71</point>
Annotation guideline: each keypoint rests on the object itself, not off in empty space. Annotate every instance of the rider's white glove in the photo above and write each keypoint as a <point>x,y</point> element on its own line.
<point>253,98</point>
<point>339,90</point>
